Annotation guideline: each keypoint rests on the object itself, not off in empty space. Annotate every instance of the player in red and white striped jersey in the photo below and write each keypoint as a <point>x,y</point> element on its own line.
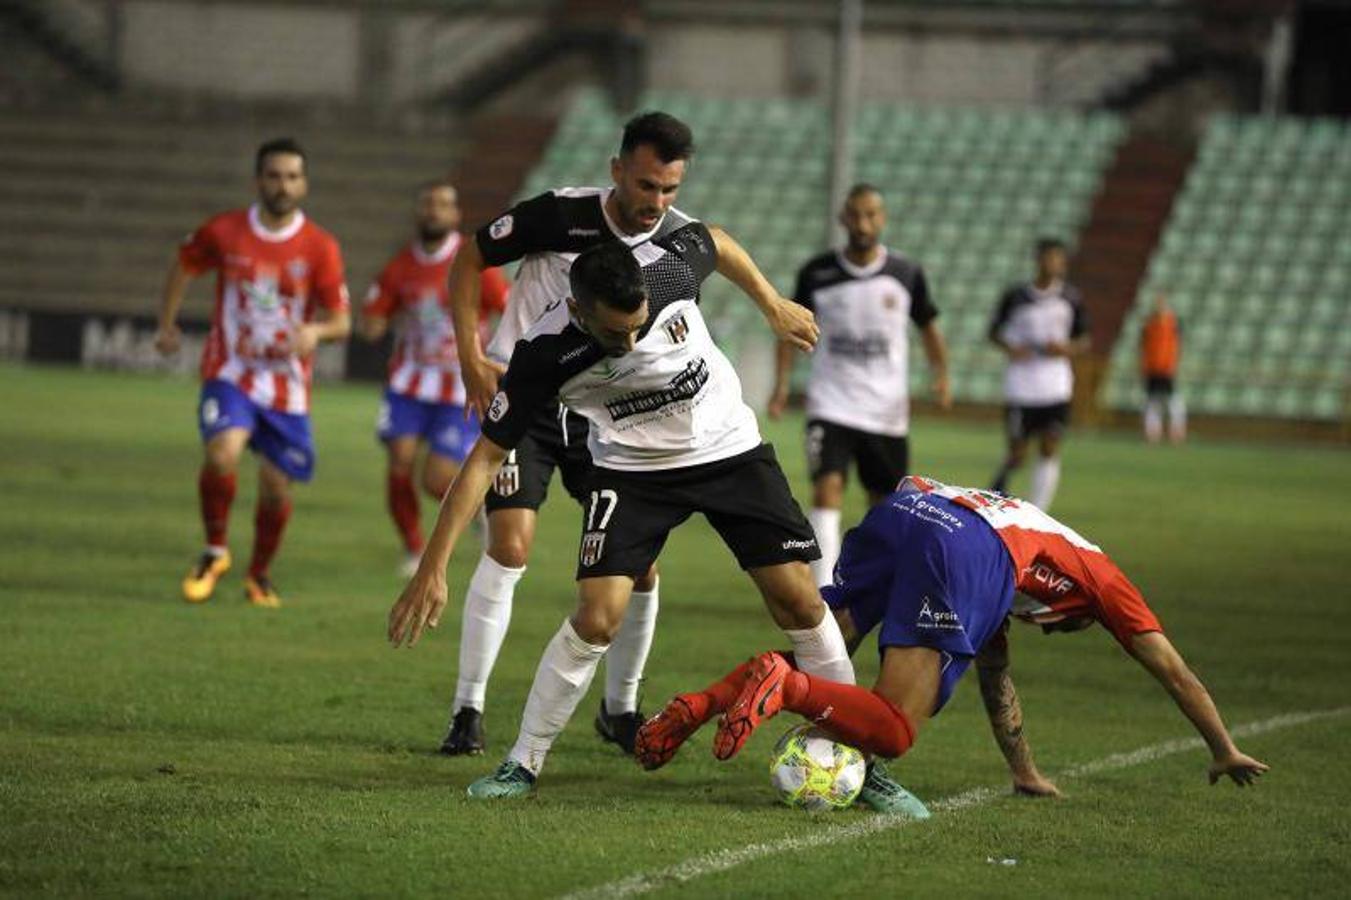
<point>279,292</point>
<point>937,571</point>
<point>424,399</point>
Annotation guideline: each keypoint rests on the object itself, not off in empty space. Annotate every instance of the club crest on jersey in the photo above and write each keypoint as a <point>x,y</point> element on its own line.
<point>890,301</point>
<point>508,479</point>
<point>297,269</point>
<point>678,329</point>
<point>501,228</point>
<point>593,545</point>
<point>499,407</point>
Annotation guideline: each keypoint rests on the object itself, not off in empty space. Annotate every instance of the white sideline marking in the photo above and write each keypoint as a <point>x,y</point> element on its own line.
<point>722,860</point>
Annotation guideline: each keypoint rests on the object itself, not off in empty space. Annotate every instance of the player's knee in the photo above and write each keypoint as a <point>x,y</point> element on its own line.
<point>222,459</point>
<point>596,625</point>
<point>435,485</point>
<point>509,550</point>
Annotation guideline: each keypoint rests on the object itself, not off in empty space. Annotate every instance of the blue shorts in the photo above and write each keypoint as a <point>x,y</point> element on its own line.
<point>930,573</point>
<point>442,425</point>
<point>285,439</point>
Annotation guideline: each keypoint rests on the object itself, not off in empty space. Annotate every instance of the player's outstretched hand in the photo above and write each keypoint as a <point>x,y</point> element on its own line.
<point>1035,785</point>
<point>1239,766</point>
<point>168,339</point>
<point>793,323</point>
<point>480,385</point>
<point>418,607</point>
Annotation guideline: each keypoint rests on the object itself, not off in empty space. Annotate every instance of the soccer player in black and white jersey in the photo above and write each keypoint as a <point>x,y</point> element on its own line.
<point>670,435</point>
<point>858,397</point>
<point>547,232</point>
<point>1041,326</point>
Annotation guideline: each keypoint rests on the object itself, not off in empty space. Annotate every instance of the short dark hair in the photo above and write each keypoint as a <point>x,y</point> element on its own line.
<point>607,273</point>
<point>861,188</point>
<point>1045,244</point>
<point>664,133</point>
<point>277,145</point>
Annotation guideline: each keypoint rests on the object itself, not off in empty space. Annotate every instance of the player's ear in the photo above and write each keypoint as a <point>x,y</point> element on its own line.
<point>616,169</point>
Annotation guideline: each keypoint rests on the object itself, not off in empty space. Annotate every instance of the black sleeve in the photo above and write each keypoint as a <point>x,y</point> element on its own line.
<point>922,309</point>
<point>528,227</point>
<point>529,384</point>
<point>1079,324</point>
<point>1001,314</point>
<point>802,293</point>
<point>694,243</point>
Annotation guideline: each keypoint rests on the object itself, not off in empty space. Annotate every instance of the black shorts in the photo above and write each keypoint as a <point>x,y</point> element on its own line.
<point>746,498</point>
<point>883,460</point>
<point>1159,386</point>
<point>1021,422</point>
<point>556,440</point>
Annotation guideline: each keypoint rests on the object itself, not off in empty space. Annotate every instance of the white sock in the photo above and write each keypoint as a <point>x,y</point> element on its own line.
<point>1177,417</point>
<point>1045,477</point>
<point>628,654</point>
<point>826,524</point>
<point>487,613</point>
<point>1153,419</point>
<point>564,673</point>
<point>217,549</point>
<point>821,650</point>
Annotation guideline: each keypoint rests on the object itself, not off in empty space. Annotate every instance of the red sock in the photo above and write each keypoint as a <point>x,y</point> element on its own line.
<point>216,492</point>
<point>269,521</point>
<point>855,716</point>
<point>403,508</point>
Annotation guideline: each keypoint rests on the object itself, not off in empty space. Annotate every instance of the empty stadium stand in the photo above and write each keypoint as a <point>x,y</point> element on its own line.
<point>1256,261</point>
<point>969,191</point>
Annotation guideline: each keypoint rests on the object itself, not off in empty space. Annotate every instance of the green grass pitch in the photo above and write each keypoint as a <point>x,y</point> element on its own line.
<point>152,748</point>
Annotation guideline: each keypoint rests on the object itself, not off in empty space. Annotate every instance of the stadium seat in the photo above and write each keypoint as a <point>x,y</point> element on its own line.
<point>1255,259</point>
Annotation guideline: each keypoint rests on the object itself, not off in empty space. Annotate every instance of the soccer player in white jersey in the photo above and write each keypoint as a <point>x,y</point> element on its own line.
<point>424,397</point>
<point>864,296</point>
<point>670,436</point>
<point>1041,326</point>
<point>938,571</point>
<point>546,233</point>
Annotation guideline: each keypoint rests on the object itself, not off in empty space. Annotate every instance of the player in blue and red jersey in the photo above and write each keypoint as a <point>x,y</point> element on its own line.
<point>424,400</point>
<point>279,292</point>
<point>938,571</point>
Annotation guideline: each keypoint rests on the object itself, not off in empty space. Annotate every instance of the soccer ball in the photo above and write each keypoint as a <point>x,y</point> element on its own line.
<point>810,771</point>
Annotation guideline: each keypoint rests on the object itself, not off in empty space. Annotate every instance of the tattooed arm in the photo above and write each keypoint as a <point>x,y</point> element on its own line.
<point>1006,718</point>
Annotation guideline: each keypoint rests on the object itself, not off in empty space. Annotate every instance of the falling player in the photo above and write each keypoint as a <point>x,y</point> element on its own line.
<point>858,398</point>
<point>935,570</point>
<point>670,436</point>
<point>424,399</point>
<point>1041,326</point>
<point>279,292</point>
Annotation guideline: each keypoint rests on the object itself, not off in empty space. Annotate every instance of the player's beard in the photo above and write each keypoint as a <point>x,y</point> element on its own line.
<point>279,205</point>
<point>862,246</point>
<point>432,234</point>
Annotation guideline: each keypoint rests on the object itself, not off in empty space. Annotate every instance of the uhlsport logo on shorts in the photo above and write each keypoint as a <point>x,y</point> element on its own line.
<point>502,227</point>
<point>593,545</point>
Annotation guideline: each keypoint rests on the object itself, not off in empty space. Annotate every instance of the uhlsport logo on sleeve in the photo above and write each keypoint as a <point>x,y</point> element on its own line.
<point>593,545</point>
<point>502,227</point>
<point>499,407</point>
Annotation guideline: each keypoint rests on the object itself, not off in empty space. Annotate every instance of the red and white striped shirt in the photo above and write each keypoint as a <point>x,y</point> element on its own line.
<point>269,283</point>
<point>414,291</point>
